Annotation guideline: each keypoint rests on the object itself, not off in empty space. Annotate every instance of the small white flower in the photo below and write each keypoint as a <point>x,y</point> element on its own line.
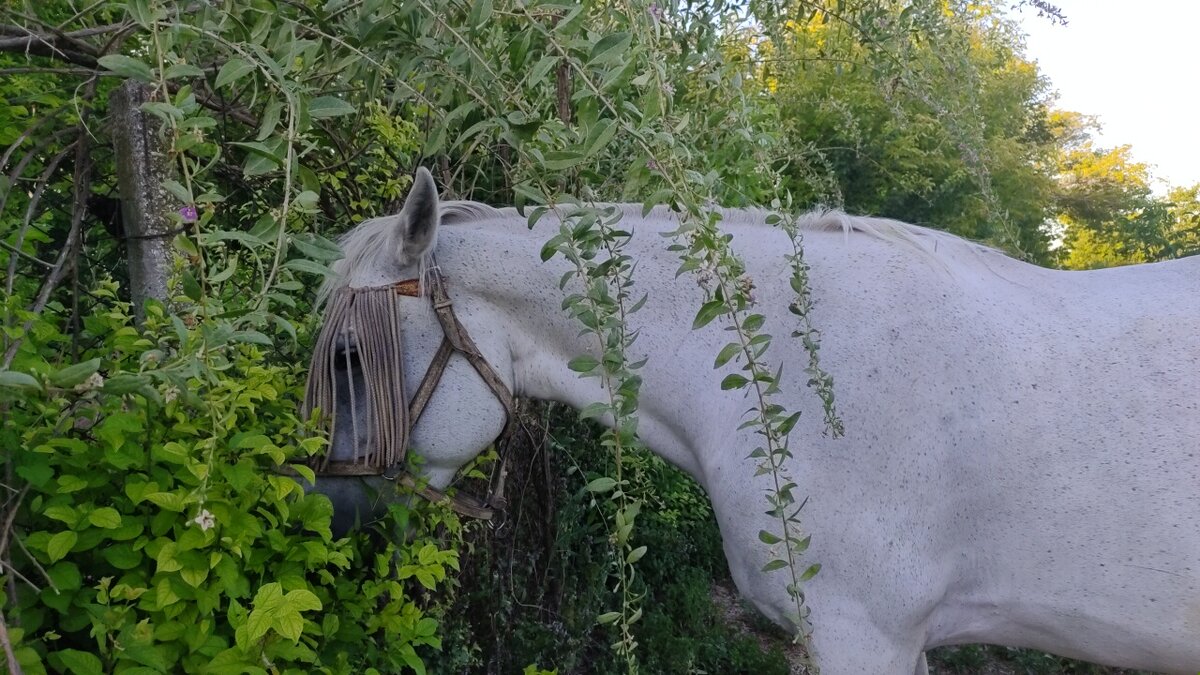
<point>704,277</point>
<point>94,381</point>
<point>205,520</point>
<point>170,393</point>
<point>746,286</point>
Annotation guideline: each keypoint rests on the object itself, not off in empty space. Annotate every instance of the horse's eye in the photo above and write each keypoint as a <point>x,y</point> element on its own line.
<point>346,357</point>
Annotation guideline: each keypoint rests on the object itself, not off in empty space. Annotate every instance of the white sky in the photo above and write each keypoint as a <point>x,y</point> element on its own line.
<point>1136,65</point>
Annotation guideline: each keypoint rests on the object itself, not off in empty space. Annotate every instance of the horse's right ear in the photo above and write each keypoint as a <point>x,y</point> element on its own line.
<point>416,225</point>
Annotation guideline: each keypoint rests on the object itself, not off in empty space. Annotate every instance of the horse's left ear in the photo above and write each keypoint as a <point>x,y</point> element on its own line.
<point>416,226</point>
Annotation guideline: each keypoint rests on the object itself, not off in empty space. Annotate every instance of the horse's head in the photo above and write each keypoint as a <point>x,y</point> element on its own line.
<point>397,365</point>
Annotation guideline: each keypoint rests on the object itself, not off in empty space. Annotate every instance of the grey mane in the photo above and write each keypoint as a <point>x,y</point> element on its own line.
<point>363,244</point>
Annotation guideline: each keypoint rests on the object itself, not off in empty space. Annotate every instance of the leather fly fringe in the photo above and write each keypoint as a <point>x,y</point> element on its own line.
<point>362,324</point>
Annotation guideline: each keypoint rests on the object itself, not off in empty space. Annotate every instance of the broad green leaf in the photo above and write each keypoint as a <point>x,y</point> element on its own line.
<point>610,48</point>
<point>73,375</point>
<point>727,352</point>
<point>608,617</point>
<point>80,663</point>
<point>191,287</point>
<point>17,380</point>
<point>308,266</point>
<point>733,381</point>
<point>481,13</point>
<point>602,484</point>
<point>635,555</point>
<point>768,538</point>
<point>328,106</point>
<point>774,565</point>
<point>709,311</point>
<point>583,364</point>
<point>180,70</point>
<point>105,517</point>
<point>231,71</point>
<point>127,67</point>
<point>557,160</point>
<point>60,545</point>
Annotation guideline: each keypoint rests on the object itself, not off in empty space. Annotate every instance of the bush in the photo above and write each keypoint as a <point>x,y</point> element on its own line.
<point>156,532</point>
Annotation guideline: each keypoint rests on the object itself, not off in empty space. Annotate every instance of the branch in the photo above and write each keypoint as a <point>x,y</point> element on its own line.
<point>67,256</point>
<point>62,47</point>
<point>9,655</point>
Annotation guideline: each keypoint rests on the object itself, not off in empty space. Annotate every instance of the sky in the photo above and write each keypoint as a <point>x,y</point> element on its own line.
<point>1136,65</point>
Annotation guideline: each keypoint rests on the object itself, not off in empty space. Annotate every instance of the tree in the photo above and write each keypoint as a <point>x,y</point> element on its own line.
<point>1106,208</point>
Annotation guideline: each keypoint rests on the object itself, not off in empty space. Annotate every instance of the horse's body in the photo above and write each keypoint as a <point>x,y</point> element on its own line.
<point>1022,449</point>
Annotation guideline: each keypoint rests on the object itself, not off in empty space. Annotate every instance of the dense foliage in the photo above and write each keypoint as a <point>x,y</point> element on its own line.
<point>148,523</point>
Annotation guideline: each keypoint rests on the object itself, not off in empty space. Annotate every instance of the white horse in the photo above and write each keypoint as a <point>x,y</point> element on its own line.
<point>1021,462</point>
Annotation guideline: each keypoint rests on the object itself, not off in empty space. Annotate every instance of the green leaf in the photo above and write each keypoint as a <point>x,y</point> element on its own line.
<point>785,427</point>
<point>232,71</point>
<point>635,555</point>
<point>774,565</point>
<point>105,517</point>
<point>727,352</point>
<point>610,48</point>
<point>191,287</point>
<point>481,13</point>
<point>127,67</point>
<point>600,135</point>
<point>302,600</point>
<point>709,311</point>
<point>810,572</point>
<point>608,617</point>
<point>60,545</point>
<point>80,663</point>
<point>541,69</point>
<point>768,538</point>
<point>251,337</point>
<point>169,501</point>
<point>602,484</point>
<point>308,266</point>
<point>557,160</point>
<point>328,106</point>
<point>73,375</point>
<point>182,70</point>
<point>17,380</point>
<point>733,381</point>
<point>583,364</point>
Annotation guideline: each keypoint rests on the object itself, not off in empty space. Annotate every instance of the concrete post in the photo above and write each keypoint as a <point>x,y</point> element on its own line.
<point>141,169</point>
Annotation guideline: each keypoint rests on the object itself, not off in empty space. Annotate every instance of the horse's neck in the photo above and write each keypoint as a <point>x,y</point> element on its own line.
<point>522,298</point>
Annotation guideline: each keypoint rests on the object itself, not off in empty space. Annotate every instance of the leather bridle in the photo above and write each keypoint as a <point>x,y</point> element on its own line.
<point>455,340</point>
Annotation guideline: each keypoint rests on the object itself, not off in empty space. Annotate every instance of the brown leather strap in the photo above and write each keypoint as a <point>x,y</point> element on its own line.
<point>433,376</point>
<point>462,343</point>
<point>455,339</point>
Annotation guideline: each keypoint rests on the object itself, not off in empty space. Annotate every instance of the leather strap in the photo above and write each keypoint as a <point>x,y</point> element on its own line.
<point>455,340</point>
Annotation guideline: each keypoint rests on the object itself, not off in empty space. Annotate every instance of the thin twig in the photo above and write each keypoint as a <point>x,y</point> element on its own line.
<point>23,254</point>
<point>9,654</point>
<point>67,256</point>
<point>31,209</point>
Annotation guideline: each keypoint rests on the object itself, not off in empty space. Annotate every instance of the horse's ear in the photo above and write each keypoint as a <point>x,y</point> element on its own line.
<point>416,226</point>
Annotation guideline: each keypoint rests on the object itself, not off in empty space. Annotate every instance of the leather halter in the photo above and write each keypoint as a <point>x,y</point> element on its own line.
<point>455,340</point>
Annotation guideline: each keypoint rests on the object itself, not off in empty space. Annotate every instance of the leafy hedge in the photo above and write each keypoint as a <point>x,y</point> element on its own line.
<point>159,534</point>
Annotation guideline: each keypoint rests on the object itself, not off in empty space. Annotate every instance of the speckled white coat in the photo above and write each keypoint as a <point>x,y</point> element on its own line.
<point>1021,462</point>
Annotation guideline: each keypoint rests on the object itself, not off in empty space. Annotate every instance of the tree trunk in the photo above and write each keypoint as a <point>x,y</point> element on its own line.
<point>141,170</point>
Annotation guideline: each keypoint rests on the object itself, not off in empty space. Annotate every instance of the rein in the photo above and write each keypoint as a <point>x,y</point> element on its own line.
<point>373,316</point>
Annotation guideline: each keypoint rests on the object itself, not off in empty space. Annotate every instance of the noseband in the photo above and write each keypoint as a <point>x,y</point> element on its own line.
<point>373,314</point>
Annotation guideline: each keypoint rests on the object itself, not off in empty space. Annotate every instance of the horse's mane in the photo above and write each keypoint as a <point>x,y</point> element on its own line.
<point>368,241</point>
